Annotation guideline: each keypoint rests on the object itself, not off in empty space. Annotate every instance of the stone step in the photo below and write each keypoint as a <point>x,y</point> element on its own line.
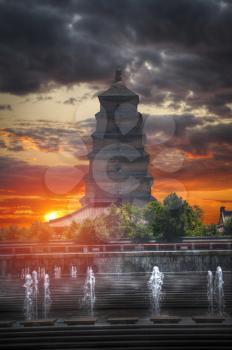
<point>71,331</point>
<point>114,338</point>
<point>219,343</point>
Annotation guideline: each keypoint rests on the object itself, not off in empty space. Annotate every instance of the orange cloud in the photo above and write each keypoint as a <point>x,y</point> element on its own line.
<point>28,143</point>
<point>189,155</point>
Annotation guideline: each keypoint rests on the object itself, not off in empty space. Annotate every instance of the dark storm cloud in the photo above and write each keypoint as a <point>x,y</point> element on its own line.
<point>5,107</point>
<point>45,139</point>
<point>70,101</point>
<point>202,136</point>
<point>44,98</point>
<point>214,138</point>
<point>205,144</point>
<point>187,42</point>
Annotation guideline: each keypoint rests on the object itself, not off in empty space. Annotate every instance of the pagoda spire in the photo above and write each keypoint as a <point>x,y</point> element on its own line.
<point>118,74</point>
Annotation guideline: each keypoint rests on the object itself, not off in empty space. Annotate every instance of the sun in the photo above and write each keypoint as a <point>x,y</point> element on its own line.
<point>51,216</point>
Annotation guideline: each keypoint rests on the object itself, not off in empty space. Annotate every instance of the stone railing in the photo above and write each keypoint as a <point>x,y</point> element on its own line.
<point>12,248</point>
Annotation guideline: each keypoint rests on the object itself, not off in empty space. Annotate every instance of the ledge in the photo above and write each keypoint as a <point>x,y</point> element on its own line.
<point>32,323</point>
<point>165,319</point>
<point>124,320</point>
<point>208,319</point>
<point>85,320</point>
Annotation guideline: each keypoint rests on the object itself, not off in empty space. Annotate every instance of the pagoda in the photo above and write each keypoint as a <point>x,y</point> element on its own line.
<point>118,163</point>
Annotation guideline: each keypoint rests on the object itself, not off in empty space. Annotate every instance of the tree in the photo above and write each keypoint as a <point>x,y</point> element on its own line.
<point>102,231</point>
<point>71,232</point>
<point>174,225</point>
<point>41,231</point>
<point>91,232</point>
<point>182,219</point>
<point>113,222</point>
<point>3,234</point>
<point>155,215</point>
<point>210,230</point>
<point>15,233</point>
<point>228,226</point>
<point>193,220</point>
<point>134,225</point>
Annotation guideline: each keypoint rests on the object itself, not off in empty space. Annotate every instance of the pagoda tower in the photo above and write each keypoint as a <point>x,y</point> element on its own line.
<point>118,163</point>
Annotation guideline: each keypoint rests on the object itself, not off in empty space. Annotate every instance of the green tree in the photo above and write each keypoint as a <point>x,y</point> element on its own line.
<point>113,222</point>
<point>102,231</point>
<point>87,233</point>
<point>228,226</point>
<point>193,225</point>
<point>182,219</point>
<point>155,215</point>
<point>210,230</point>
<point>134,225</point>
<point>174,225</point>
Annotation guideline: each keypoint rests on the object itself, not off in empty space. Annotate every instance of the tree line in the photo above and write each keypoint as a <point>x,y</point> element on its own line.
<point>169,221</point>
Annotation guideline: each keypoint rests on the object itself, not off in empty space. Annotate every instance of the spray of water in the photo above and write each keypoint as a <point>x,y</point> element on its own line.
<point>41,272</point>
<point>215,292</point>
<point>25,271</point>
<point>218,291</point>
<point>155,285</point>
<point>28,300</point>
<point>35,293</point>
<point>47,296</point>
<point>210,292</point>
<point>73,271</point>
<point>89,290</point>
<point>57,272</point>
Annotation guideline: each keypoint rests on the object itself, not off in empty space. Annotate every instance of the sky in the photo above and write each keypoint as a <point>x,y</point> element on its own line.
<point>56,56</point>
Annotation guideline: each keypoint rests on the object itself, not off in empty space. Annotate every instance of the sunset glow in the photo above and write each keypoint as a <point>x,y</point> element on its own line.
<point>51,216</point>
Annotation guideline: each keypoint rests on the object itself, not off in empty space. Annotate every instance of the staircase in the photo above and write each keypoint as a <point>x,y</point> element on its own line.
<point>128,337</point>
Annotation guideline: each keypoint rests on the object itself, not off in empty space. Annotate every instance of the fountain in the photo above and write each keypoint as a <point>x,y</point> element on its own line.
<point>28,301</point>
<point>25,271</point>
<point>155,285</point>
<point>215,296</point>
<point>89,290</point>
<point>41,272</point>
<point>219,292</point>
<point>35,293</point>
<point>73,271</point>
<point>118,270</point>
<point>57,272</point>
<point>210,292</point>
<point>47,296</point>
